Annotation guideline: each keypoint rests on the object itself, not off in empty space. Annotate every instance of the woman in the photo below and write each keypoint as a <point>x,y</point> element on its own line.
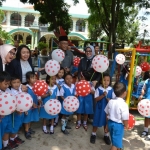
<point>21,64</point>
<point>85,69</point>
<point>7,54</point>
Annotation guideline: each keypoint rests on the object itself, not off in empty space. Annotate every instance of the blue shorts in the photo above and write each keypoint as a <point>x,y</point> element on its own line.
<point>116,133</point>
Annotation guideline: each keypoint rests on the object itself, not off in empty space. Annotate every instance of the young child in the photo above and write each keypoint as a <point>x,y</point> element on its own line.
<point>102,95</point>
<point>146,92</point>
<point>18,117</point>
<point>117,112</point>
<point>31,115</point>
<point>85,108</point>
<point>59,83</point>
<point>68,89</point>
<point>53,93</point>
<point>5,121</point>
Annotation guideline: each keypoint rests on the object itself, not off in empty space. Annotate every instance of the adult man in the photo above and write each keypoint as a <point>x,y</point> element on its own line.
<point>16,44</point>
<point>67,63</point>
<point>97,51</point>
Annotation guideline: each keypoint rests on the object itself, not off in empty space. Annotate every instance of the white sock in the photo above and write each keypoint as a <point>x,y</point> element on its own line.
<point>5,143</point>
<point>146,129</point>
<point>79,121</point>
<point>84,122</point>
<point>56,119</point>
<point>16,136</point>
<point>44,128</point>
<point>93,133</point>
<point>52,128</point>
<point>12,139</point>
<point>106,134</point>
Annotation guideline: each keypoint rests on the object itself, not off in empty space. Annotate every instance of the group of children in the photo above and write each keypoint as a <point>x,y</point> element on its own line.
<point>113,116</point>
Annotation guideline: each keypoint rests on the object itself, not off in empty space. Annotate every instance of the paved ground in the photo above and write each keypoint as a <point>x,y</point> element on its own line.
<point>79,139</point>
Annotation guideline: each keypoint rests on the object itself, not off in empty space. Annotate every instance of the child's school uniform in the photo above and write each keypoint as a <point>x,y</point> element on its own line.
<point>66,91</point>
<point>18,118</point>
<point>86,103</point>
<point>55,92</point>
<point>5,125</point>
<point>99,114</point>
<point>60,82</point>
<point>117,110</point>
<point>123,80</point>
<point>146,87</point>
<point>34,111</point>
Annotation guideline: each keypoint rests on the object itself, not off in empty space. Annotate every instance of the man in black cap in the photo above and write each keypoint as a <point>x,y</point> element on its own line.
<point>67,63</point>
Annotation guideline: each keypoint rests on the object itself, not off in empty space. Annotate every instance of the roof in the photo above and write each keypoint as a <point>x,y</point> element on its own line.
<point>30,10</point>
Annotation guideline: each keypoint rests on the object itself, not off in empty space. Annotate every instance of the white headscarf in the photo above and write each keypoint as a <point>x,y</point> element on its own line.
<point>4,50</point>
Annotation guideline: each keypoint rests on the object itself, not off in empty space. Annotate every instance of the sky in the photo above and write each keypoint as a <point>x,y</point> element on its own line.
<point>80,8</point>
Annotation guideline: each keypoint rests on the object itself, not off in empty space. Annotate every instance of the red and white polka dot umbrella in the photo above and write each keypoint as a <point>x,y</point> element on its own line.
<point>24,102</point>
<point>100,63</point>
<point>131,122</point>
<point>138,71</point>
<point>83,88</point>
<point>144,107</point>
<point>120,59</point>
<point>76,61</point>
<point>7,103</point>
<point>40,87</point>
<point>52,107</point>
<point>52,67</point>
<point>71,103</point>
<point>58,55</point>
<point>145,66</point>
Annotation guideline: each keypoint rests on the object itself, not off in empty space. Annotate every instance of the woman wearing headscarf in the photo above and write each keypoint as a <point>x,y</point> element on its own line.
<point>86,72</point>
<point>7,54</point>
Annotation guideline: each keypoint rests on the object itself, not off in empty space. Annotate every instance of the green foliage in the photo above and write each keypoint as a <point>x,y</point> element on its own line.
<point>54,12</point>
<point>42,45</point>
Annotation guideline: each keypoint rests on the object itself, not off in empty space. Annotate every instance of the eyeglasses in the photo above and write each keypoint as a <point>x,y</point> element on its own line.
<point>88,51</point>
<point>11,53</point>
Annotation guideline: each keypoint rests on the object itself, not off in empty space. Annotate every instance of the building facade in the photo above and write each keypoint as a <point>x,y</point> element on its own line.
<point>23,24</point>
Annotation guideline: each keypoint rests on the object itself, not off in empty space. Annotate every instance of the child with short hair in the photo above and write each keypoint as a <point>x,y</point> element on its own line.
<point>32,115</point>
<point>53,93</point>
<point>146,92</point>
<point>18,116</point>
<point>6,121</point>
<point>68,89</point>
<point>118,115</point>
<point>102,95</point>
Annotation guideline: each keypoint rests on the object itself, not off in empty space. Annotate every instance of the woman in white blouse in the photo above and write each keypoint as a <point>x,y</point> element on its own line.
<point>21,64</point>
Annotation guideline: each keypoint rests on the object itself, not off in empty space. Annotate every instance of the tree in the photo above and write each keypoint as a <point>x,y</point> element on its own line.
<point>53,12</point>
<point>110,12</point>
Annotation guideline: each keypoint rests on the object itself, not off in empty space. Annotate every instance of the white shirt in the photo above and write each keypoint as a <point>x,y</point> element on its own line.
<point>97,94</point>
<point>60,80</point>
<point>25,66</point>
<point>52,89</point>
<point>70,88</point>
<point>117,110</point>
<point>15,92</point>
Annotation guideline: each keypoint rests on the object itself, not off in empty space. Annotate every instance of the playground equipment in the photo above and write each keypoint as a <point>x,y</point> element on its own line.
<point>135,53</point>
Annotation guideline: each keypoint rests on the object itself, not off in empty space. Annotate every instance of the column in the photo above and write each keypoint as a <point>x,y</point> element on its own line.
<point>47,42</point>
<point>8,18</point>
<point>36,38</point>
<point>22,20</point>
<point>74,25</point>
<point>86,27</point>
<point>24,38</point>
<point>32,40</point>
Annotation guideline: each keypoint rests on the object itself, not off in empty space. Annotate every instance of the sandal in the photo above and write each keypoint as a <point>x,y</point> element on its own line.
<point>85,127</point>
<point>78,126</point>
<point>45,131</point>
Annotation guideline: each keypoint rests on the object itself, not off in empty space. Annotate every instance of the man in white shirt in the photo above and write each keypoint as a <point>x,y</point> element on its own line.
<point>118,115</point>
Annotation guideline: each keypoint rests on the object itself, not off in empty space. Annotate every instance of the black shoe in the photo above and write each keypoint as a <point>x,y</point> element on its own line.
<point>65,132</point>
<point>18,140</point>
<point>7,148</point>
<point>93,139</point>
<point>67,127</point>
<point>107,140</point>
<point>12,145</point>
<point>28,135</point>
<point>144,134</point>
<point>31,131</point>
<point>51,132</point>
<point>55,124</point>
